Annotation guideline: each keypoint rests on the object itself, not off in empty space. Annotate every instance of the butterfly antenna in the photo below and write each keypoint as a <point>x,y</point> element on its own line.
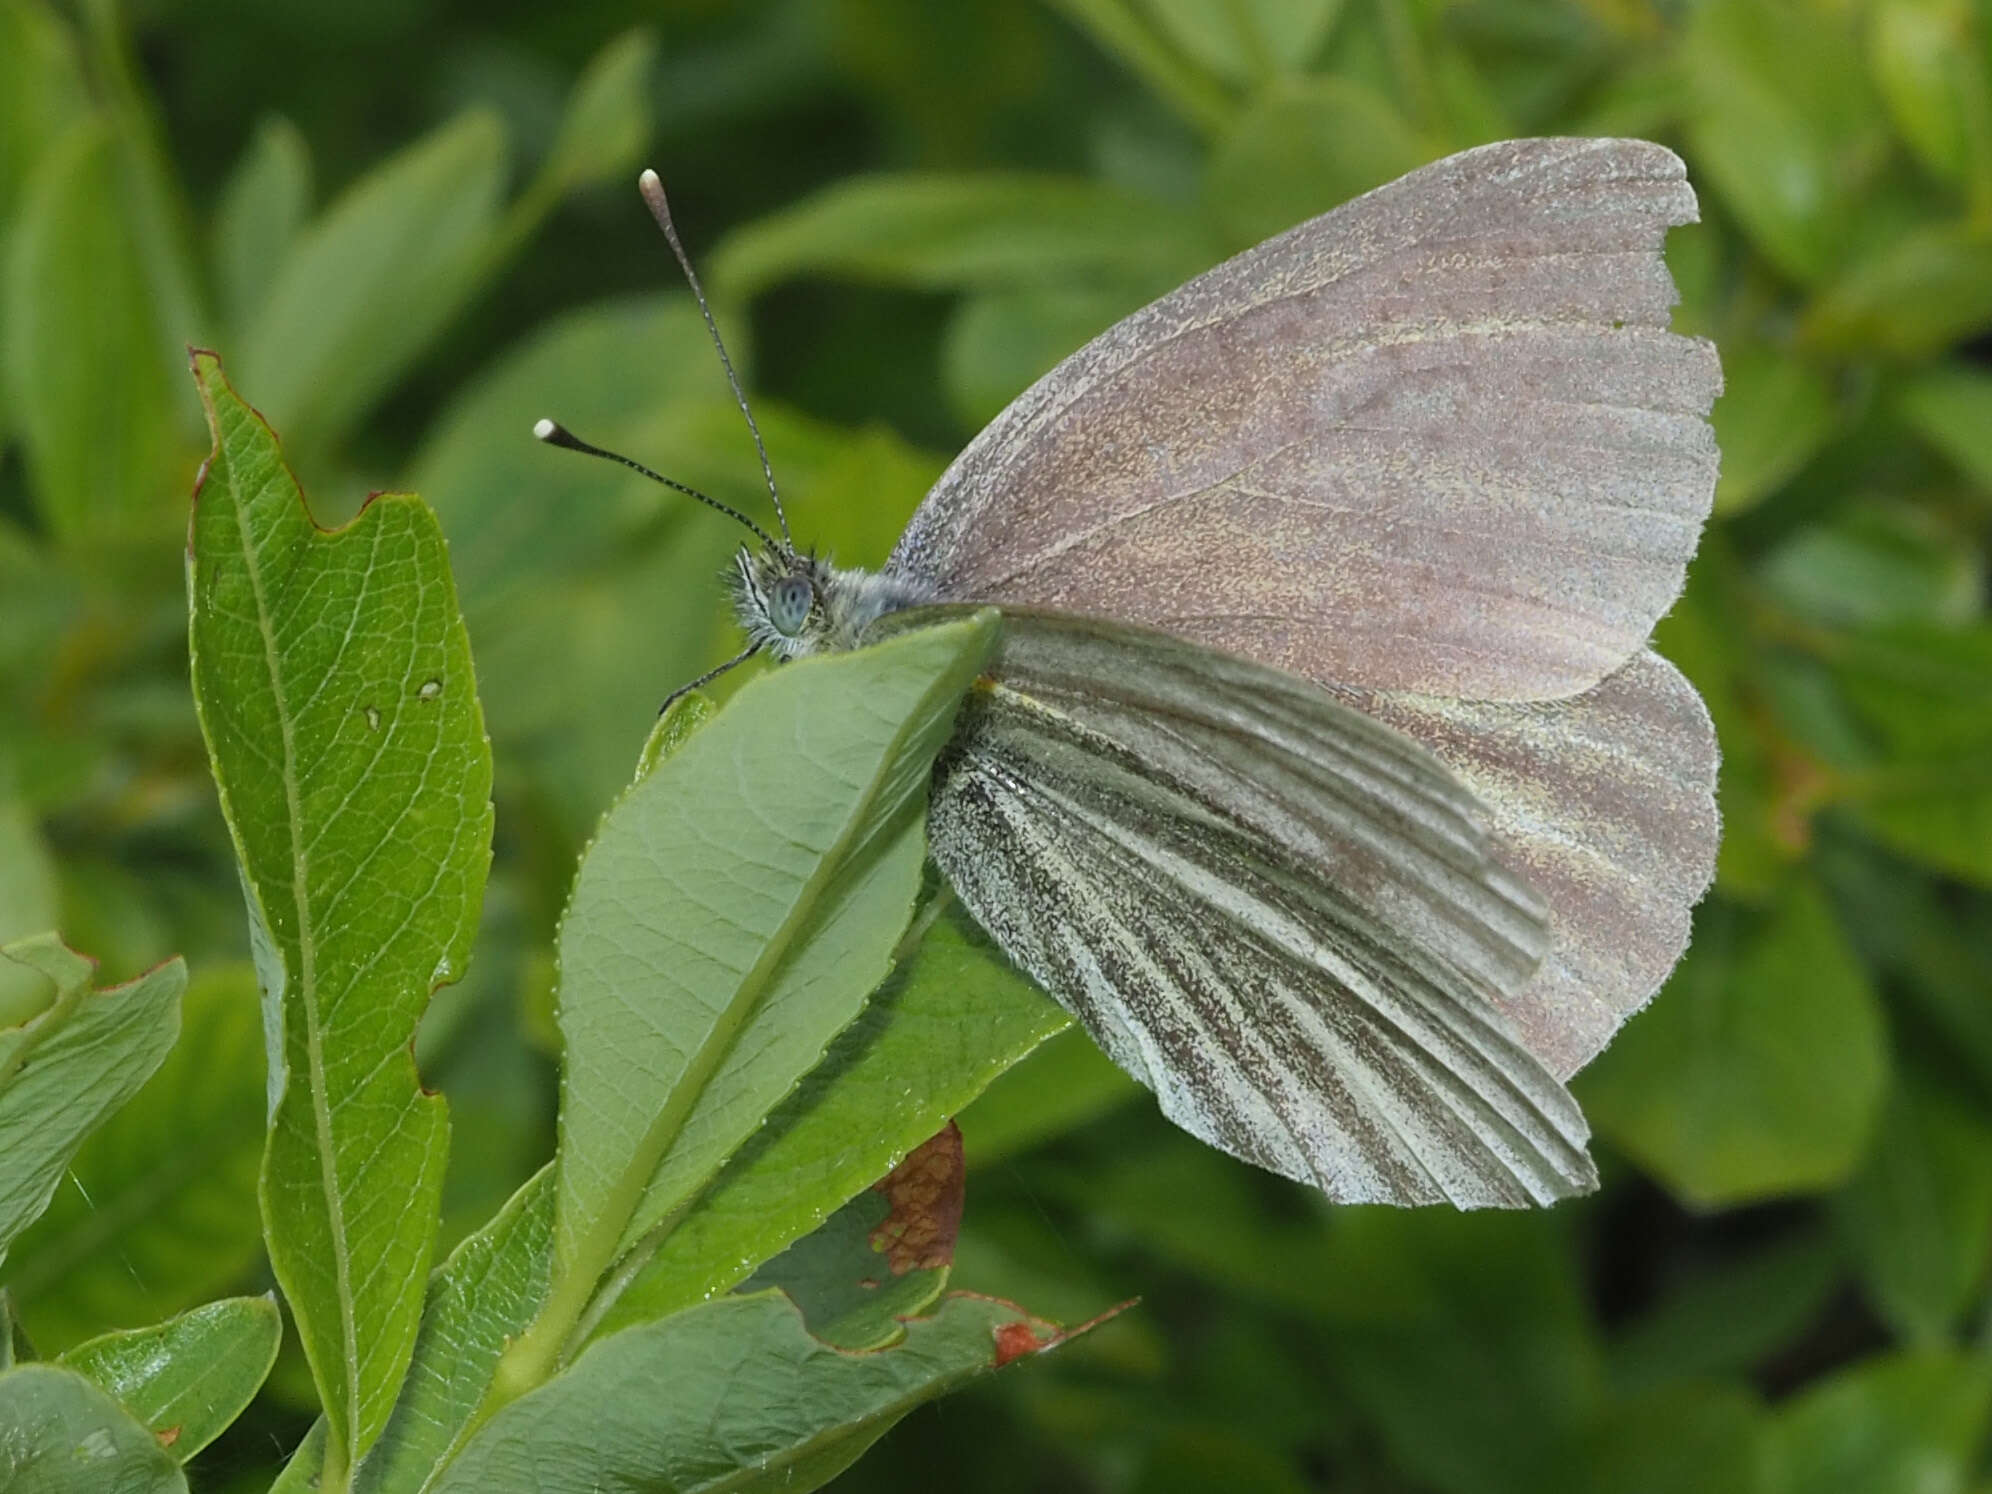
<point>660,209</point>
<point>556,434</point>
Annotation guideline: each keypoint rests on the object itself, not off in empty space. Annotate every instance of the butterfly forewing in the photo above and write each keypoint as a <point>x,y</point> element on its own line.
<point>1437,440</point>
<point>1278,914</point>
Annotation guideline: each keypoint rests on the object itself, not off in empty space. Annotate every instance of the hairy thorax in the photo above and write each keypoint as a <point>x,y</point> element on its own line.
<point>791,604</point>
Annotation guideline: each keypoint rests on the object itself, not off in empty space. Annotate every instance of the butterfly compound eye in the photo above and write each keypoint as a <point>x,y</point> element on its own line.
<point>789,604</point>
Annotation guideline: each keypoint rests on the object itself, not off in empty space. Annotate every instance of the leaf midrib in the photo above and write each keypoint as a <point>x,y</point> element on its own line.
<point>307,961</point>
<point>725,1031</point>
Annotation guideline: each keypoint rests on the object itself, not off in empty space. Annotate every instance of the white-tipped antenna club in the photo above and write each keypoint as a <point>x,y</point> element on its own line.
<point>555,434</point>
<point>652,189</point>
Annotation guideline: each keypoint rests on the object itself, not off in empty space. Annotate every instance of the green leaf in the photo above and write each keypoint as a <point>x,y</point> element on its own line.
<point>65,1436</point>
<point>191,1376</point>
<point>42,94</point>
<point>1919,1214</point>
<point>1895,1424</point>
<point>263,206</point>
<point>734,1395</point>
<point>1929,59</point>
<point>95,408</point>
<point>373,280</point>
<point>1120,32</point>
<point>1875,564</point>
<point>1303,148</point>
<point>607,123</point>
<point>998,342</point>
<point>1782,126</point>
<point>1730,1315</point>
<point>1950,406</point>
<point>1464,1340</point>
<point>1685,1438</point>
<point>1774,414</point>
<point>1760,1067</point>
<point>519,514</point>
<point>573,670</point>
<point>882,1258</point>
<point>162,1213</point>
<point>1926,693</point>
<point>1926,939</point>
<point>65,1070</point>
<point>987,231</point>
<point>480,1299</point>
<point>1708,636</point>
<point>152,202</point>
<point>1064,1084</point>
<point>334,686</point>
<point>304,1473</point>
<point>1194,1457</point>
<point>27,904</point>
<point>1246,41</point>
<point>1911,299</point>
<point>674,728</point>
<point>953,1015</point>
<point>731,916</point>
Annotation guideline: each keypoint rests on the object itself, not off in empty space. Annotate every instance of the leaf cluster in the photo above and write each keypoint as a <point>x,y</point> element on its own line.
<point>906,212</point>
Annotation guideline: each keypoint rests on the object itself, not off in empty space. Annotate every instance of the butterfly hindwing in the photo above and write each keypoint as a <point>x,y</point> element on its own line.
<point>1605,803</point>
<point>1278,914</point>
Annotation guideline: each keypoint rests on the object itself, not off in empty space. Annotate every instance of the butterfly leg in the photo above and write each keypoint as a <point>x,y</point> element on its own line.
<point>708,677</point>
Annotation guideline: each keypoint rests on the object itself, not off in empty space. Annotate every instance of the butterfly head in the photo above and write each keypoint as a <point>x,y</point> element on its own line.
<point>778,597</point>
<point>793,603</point>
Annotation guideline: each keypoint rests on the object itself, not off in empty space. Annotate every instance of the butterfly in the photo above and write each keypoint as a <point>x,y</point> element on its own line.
<point>1323,771</point>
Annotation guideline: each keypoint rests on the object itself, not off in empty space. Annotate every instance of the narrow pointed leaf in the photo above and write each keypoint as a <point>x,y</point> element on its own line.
<point>369,283</point>
<point>161,1211</point>
<point>304,1473</point>
<point>71,1065</point>
<point>1247,40</point>
<point>66,1436</point>
<point>334,687</point>
<point>735,1396</point>
<point>42,91</point>
<point>82,373</point>
<point>263,206</point>
<point>189,1377</point>
<point>943,232</point>
<point>954,1016</point>
<point>607,122</point>
<point>731,917</point>
<point>480,1299</point>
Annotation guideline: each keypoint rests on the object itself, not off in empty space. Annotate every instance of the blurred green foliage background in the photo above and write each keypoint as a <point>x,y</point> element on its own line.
<point>409,227</point>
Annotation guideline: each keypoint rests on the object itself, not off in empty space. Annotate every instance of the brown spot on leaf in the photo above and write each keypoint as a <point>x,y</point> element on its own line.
<point>925,1192</point>
<point>167,1436</point>
<point>1015,1340</point>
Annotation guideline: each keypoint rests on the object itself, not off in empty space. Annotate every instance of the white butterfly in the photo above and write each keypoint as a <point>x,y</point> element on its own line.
<point>1323,772</point>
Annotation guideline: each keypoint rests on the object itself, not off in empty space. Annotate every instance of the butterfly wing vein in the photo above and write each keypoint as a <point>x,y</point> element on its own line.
<point>1277,914</point>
